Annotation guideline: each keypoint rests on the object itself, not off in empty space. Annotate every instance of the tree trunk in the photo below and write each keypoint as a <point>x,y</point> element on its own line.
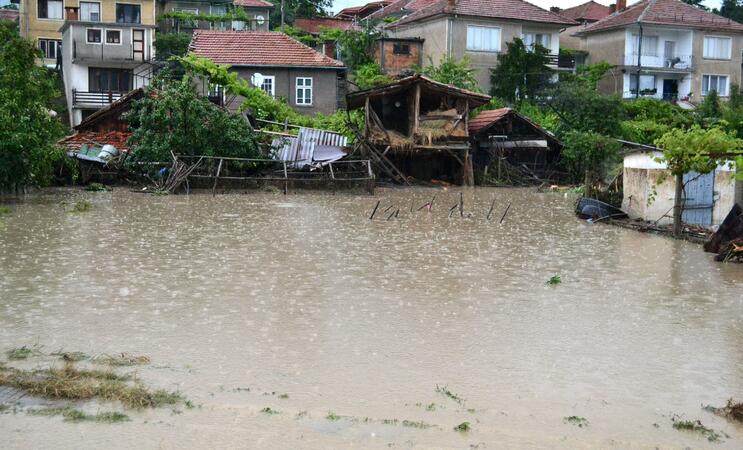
<point>587,182</point>
<point>678,202</point>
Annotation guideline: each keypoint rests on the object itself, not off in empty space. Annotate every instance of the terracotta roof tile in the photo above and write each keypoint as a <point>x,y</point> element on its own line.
<point>257,48</point>
<point>496,9</point>
<point>363,11</point>
<point>314,25</point>
<point>253,3</point>
<point>9,14</point>
<point>664,12</point>
<point>485,118</point>
<point>97,138</point>
<point>398,6</point>
<point>589,11</point>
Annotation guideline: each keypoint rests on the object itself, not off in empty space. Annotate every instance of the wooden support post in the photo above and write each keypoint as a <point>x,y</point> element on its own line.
<point>216,178</point>
<point>468,175</point>
<point>286,179</point>
<point>416,108</point>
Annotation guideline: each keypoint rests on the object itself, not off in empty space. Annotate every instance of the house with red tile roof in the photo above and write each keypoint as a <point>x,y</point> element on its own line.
<point>588,12</point>
<point>315,26</point>
<point>258,12</point>
<point>665,49</point>
<point>283,67</point>
<point>357,13</point>
<point>478,29</point>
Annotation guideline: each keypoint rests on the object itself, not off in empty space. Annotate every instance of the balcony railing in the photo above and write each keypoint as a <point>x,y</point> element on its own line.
<point>95,98</point>
<point>676,62</point>
<point>561,61</point>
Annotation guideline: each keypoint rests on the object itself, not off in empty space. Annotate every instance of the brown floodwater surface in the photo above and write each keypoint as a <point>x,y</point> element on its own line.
<point>238,299</point>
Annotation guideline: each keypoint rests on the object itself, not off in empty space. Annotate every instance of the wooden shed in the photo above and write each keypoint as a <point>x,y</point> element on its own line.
<point>507,136</point>
<point>421,125</point>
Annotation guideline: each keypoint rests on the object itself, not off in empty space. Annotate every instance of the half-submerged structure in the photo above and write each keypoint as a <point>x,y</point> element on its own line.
<point>420,126</point>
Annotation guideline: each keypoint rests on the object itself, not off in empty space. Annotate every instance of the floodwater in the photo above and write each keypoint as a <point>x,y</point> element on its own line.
<point>238,299</point>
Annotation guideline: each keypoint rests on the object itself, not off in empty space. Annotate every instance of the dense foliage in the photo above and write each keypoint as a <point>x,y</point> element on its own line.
<point>454,72</point>
<point>369,76</point>
<point>294,9</point>
<point>28,126</point>
<point>521,72</point>
<point>177,119</point>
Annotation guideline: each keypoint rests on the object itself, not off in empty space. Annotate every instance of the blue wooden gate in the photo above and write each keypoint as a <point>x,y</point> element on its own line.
<point>700,198</point>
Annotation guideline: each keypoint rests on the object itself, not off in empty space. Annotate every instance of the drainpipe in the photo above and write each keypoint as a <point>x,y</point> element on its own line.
<point>639,61</point>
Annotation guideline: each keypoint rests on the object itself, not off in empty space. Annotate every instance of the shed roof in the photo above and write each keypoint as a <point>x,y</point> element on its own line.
<point>96,138</point>
<point>589,11</point>
<point>118,107</point>
<point>363,10</point>
<point>487,119</point>
<point>492,9</point>
<point>258,48</point>
<point>314,25</point>
<point>664,12</point>
<point>357,99</point>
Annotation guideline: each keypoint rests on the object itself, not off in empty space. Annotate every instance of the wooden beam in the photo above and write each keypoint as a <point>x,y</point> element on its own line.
<point>416,108</point>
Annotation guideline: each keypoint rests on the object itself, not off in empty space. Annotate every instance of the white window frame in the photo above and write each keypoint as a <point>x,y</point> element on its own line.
<point>644,49</point>
<point>727,84</point>
<point>86,35</point>
<point>121,36</point>
<point>90,3</point>
<point>730,47</point>
<point>273,85</point>
<point>633,78</point>
<point>47,10</point>
<point>484,27</point>
<point>304,87</point>
<point>57,46</point>
<point>534,40</point>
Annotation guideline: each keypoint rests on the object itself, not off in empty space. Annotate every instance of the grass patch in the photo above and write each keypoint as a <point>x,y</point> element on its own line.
<point>82,206</point>
<point>71,414</point>
<point>578,421</point>
<point>463,427</point>
<point>269,411</point>
<point>98,187</point>
<point>732,410</point>
<point>24,352</point>
<point>333,417</point>
<point>696,426</point>
<point>71,356</point>
<point>413,424</point>
<point>389,421</point>
<point>4,210</point>
<point>70,383</point>
<point>122,360</point>
<point>283,396</point>
<point>554,280</point>
<point>447,393</point>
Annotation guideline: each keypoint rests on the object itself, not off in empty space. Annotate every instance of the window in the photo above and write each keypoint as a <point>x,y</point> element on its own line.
<point>128,13</point>
<point>90,12</point>
<point>49,9</point>
<point>647,84</point>
<point>106,79</point>
<point>304,91</point>
<point>717,83</point>
<point>716,47</point>
<point>113,36</point>
<point>401,49</point>
<point>269,86</point>
<point>93,35</point>
<point>649,45</point>
<point>483,39</point>
<point>532,39</point>
<point>218,10</point>
<point>50,48</point>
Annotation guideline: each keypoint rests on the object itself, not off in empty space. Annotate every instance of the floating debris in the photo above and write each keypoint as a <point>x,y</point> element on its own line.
<point>581,422</point>
<point>447,393</point>
<point>463,427</point>
<point>732,410</point>
<point>122,359</point>
<point>554,280</point>
<point>696,426</point>
<point>71,414</point>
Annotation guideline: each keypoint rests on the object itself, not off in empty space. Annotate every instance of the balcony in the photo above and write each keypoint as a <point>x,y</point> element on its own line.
<point>561,61</point>
<point>676,63</point>
<point>99,99</point>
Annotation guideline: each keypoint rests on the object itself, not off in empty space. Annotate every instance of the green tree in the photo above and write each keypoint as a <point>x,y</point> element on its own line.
<point>697,3</point>
<point>586,153</point>
<point>180,120</point>
<point>521,72</point>
<point>698,150</point>
<point>295,9</point>
<point>28,126</point>
<point>171,44</point>
<point>710,110</point>
<point>581,108</point>
<point>369,76</point>
<point>451,71</point>
<point>732,9</point>
<point>354,46</point>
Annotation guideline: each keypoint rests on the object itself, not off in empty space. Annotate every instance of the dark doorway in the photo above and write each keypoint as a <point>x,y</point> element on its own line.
<point>670,90</point>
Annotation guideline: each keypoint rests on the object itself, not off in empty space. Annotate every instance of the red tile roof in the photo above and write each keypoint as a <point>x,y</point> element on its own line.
<point>9,14</point>
<point>486,118</point>
<point>313,26</point>
<point>664,12</point>
<point>257,48</point>
<point>360,12</point>
<point>495,9</point>
<point>253,3</point>
<point>405,6</point>
<point>97,138</point>
<point>589,11</point>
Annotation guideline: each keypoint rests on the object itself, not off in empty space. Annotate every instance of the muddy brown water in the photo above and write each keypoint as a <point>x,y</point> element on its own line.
<point>240,298</point>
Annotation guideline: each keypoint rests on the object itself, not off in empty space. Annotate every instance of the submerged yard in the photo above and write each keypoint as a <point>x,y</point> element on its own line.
<point>272,321</point>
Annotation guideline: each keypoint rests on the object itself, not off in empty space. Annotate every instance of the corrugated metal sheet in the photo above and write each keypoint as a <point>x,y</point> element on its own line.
<point>300,150</point>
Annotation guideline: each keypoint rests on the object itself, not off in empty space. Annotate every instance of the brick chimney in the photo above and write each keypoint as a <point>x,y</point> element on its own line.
<point>621,5</point>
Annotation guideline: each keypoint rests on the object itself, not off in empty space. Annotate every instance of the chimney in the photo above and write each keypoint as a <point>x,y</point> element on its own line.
<point>612,8</point>
<point>621,5</point>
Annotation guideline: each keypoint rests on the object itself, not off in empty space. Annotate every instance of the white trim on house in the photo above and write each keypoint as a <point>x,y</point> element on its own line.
<point>304,87</point>
<point>271,78</point>
<point>712,36</point>
<point>93,42</point>
<point>118,30</point>
<point>727,84</point>
<point>469,46</point>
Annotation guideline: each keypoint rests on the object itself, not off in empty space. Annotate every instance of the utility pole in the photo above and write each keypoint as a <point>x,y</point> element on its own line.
<point>282,14</point>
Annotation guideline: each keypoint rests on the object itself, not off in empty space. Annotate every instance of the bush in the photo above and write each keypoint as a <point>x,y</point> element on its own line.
<point>588,152</point>
<point>369,76</point>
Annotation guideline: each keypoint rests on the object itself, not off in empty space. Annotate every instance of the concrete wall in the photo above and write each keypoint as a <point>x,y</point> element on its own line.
<point>324,92</point>
<point>704,66</point>
<point>75,37</point>
<point>641,182</point>
<point>435,33</point>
